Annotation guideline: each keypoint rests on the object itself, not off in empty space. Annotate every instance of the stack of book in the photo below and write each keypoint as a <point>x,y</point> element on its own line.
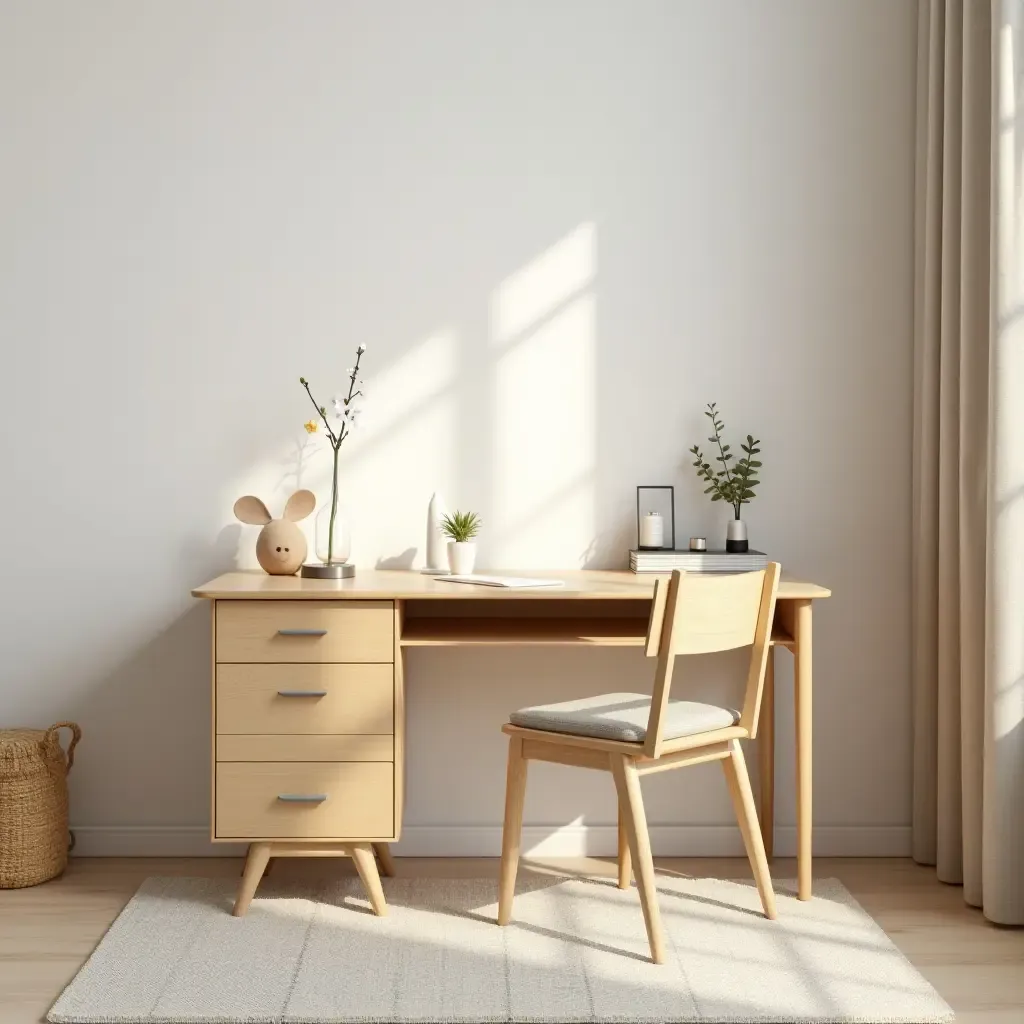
<point>696,561</point>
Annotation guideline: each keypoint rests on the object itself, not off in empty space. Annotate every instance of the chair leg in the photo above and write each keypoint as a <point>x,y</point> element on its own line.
<point>511,835</point>
<point>743,801</point>
<point>625,862</point>
<point>627,783</point>
<point>387,862</point>
<point>255,864</point>
<point>766,756</point>
<point>362,857</point>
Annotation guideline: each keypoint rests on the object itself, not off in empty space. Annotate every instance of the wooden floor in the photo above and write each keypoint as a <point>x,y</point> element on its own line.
<point>48,931</point>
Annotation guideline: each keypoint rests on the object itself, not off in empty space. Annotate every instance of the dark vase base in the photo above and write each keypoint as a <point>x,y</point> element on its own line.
<point>736,547</point>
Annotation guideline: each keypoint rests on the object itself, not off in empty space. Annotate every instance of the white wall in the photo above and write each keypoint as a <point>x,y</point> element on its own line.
<point>561,229</point>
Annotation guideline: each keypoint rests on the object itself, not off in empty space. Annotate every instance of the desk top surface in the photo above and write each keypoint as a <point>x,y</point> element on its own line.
<point>397,584</point>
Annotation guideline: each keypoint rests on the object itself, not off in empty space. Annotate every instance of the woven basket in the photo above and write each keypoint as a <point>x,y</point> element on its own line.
<point>34,804</point>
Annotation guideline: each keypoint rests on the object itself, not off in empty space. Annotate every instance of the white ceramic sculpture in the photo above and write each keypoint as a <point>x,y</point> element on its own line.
<point>437,548</point>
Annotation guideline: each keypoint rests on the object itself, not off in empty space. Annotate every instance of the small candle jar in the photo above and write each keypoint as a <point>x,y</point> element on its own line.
<point>652,530</point>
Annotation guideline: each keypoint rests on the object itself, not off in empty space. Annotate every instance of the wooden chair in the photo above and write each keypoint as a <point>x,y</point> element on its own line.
<point>630,734</point>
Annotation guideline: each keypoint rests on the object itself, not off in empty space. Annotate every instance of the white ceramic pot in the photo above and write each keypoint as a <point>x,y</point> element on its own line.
<point>736,536</point>
<point>461,556</point>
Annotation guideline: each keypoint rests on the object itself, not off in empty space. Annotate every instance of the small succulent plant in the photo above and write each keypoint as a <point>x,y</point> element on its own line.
<point>461,526</point>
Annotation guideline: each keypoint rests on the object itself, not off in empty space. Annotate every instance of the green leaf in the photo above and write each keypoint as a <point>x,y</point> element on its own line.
<point>716,497</point>
<point>708,490</point>
<point>755,464</point>
<point>748,494</point>
<point>461,526</point>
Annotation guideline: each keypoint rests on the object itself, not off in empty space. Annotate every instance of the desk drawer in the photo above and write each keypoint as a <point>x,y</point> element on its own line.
<point>305,800</point>
<point>294,699</point>
<point>305,631</point>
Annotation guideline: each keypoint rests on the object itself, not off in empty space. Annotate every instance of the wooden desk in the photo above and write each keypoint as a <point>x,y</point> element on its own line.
<point>374,617</point>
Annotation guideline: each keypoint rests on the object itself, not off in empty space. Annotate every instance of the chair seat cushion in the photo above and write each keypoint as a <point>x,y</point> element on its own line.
<point>623,716</point>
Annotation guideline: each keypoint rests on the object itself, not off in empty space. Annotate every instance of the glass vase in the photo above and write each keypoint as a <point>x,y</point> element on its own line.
<point>341,548</point>
<point>333,526</point>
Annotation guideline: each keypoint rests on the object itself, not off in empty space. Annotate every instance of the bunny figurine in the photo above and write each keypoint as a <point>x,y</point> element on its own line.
<point>281,545</point>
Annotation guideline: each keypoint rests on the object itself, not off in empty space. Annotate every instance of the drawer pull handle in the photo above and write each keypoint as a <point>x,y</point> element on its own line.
<point>302,693</point>
<point>302,798</point>
<point>302,632</point>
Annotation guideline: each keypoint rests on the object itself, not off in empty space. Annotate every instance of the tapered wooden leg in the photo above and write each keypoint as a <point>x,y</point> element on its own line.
<point>362,856</point>
<point>255,864</point>
<point>387,862</point>
<point>627,783</point>
<point>802,698</point>
<point>625,861</point>
<point>511,834</point>
<point>266,870</point>
<point>766,756</point>
<point>746,814</point>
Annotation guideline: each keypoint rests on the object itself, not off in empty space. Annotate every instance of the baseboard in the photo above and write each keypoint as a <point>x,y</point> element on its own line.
<point>538,840</point>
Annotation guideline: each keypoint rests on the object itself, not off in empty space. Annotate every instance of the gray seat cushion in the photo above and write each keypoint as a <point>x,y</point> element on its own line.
<point>623,716</point>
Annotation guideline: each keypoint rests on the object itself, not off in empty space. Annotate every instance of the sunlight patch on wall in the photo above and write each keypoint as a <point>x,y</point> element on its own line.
<point>544,408</point>
<point>535,291</point>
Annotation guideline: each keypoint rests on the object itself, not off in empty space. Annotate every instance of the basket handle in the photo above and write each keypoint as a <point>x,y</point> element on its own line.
<point>76,735</point>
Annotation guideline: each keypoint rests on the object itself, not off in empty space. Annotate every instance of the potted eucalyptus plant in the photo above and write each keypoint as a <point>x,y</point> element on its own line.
<point>733,482</point>
<point>460,529</point>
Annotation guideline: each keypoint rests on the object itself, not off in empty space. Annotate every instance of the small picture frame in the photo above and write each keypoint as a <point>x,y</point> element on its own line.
<point>655,518</point>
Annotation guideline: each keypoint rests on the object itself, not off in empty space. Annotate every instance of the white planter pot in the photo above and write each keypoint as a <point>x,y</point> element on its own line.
<point>461,557</point>
<point>736,536</point>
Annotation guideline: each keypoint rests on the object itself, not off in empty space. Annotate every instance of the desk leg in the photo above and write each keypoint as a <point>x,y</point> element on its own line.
<point>387,862</point>
<point>255,865</point>
<point>366,866</point>
<point>802,699</point>
<point>766,756</point>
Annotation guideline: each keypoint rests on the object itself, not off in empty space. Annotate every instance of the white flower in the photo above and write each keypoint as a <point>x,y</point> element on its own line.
<point>360,350</point>
<point>347,410</point>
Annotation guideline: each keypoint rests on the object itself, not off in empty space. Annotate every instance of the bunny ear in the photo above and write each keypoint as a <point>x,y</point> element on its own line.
<point>300,504</point>
<point>252,511</point>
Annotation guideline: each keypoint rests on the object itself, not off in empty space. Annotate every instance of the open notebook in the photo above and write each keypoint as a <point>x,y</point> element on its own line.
<point>502,581</point>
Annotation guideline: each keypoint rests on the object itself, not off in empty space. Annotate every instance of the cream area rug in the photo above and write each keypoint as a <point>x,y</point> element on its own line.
<point>576,951</point>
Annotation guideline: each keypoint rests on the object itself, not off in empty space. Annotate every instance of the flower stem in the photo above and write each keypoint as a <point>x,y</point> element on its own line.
<point>330,433</point>
<point>334,510</point>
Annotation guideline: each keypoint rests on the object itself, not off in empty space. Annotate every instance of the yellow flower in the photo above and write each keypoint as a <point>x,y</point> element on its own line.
<point>310,427</point>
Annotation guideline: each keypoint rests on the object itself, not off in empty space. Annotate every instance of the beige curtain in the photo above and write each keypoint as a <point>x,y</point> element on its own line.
<point>968,500</point>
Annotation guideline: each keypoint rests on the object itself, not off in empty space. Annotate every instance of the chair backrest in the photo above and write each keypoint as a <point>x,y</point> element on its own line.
<point>701,614</point>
